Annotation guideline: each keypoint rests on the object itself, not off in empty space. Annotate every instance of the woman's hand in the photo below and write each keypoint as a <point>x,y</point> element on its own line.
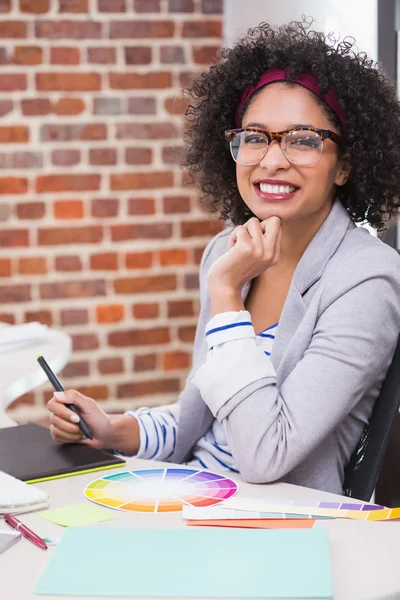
<point>252,248</point>
<point>63,421</point>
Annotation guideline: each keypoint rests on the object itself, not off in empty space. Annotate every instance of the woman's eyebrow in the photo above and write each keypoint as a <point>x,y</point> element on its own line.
<point>291,126</point>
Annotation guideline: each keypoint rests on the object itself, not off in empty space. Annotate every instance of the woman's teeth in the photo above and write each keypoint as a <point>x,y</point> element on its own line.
<point>267,188</point>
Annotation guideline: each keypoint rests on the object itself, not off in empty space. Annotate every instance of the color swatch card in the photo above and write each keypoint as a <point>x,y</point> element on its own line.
<point>342,510</point>
<point>160,490</point>
<point>164,563</point>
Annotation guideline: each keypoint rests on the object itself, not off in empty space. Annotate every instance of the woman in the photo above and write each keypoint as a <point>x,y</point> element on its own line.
<point>294,141</point>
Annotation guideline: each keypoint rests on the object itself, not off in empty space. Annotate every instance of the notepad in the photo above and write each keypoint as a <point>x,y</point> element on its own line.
<point>28,452</point>
<point>17,496</point>
<point>190,563</point>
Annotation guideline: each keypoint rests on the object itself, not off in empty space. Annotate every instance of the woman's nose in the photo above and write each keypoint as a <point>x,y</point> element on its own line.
<point>274,158</point>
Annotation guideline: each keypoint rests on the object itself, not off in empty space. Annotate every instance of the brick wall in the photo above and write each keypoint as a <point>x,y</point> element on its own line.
<point>99,235</point>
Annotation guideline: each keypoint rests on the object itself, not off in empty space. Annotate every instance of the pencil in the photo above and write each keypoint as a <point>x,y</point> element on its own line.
<point>58,387</point>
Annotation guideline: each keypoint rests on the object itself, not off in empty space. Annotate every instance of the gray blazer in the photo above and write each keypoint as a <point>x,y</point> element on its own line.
<point>336,338</point>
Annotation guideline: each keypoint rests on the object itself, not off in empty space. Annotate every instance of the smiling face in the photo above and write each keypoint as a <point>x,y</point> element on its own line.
<point>304,191</point>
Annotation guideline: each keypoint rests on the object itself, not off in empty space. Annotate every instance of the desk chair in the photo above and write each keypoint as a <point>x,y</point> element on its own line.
<point>366,462</point>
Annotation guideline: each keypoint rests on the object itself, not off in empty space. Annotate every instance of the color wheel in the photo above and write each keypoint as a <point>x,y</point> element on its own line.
<point>160,490</point>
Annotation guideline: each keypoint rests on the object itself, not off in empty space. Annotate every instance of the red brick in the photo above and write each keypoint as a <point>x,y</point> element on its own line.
<point>4,160</point>
<point>5,6</point>
<point>109,6</point>
<point>15,293</point>
<point>146,310</point>
<point>141,206</point>
<point>32,266</point>
<point>141,29</point>
<point>142,106</point>
<point>97,392</point>
<point>176,105</point>
<point>35,106</point>
<point>13,238</point>
<point>180,308</point>
<point>205,55</point>
<point>141,181</point>
<point>30,210</point>
<point>139,260</point>
<point>200,228</point>
<point>212,6</point>
<point>144,362</point>
<point>4,55</point>
<point>144,231</point>
<point>176,204</point>
<point>181,6</point>
<point>67,183</point>
<point>140,285</point>
<point>12,82</point>
<point>52,236</point>
<point>139,337</point>
<point>6,106</point>
<point>68,263</point>
<point>201,29</point>
<point>112,313</point>
<point>74,316</point>
<point>69,209</point>
<point>110,365</point>
<point>172,55</point>
<point>14,134</point>
<point>146,131</point>
<point>197,254</point>
<point>173,256</point>
<point>70,106</point>
<point>107,106</point>
<point>34,6</point>
<point>28,55</point>
<point>173,155</point>
<point>77,30</point>
<point>138,55</point>
<point>6,318</point>
<point>155,80</point>
<point>172,361</point>
<point>72,289</point>
<point>13,29</point>
<point>191,281</point>
<point>74,6</point>
<point>24,400</point>
<point>147,388</point>
<point>187,77</point>
<point>27,160</point>
<point>84,341</point>
<point>65,158</point>
<point>73,133</point>
<point>75,369</point>
<point>105,207</point>
<point>138,156</point>
<point>105,261</point>
<point>102,56</point>
<point>43,316</point>
<point>4,212</point>
<point>13,185</point>
<point>68,82</point>
<point>102,156</point>
<point>186,334</point>
<point>5,267</point>
<point>150,6</point>
<point>64,55</point>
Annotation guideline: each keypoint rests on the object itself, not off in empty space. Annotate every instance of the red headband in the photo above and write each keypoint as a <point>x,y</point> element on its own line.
<point>307,80</point>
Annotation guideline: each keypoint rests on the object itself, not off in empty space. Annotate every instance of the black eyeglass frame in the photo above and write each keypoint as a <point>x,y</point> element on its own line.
<point>279,135</point>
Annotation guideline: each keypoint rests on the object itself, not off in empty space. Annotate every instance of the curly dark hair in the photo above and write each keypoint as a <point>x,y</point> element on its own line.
<point>371,142</point>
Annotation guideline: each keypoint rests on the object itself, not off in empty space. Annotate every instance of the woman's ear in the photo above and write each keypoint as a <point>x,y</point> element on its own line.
<point>344,170</point>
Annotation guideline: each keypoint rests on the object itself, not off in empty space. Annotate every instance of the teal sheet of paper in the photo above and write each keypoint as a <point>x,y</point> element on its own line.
<point>191,563</point>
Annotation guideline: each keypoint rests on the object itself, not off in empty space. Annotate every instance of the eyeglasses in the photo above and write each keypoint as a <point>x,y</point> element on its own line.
<point>300,146</point>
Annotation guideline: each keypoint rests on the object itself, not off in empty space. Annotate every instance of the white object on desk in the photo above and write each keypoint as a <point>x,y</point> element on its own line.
<point>8,539</point>
<point>17,496</point>
<point>19,370</point>
<point>20,336</point>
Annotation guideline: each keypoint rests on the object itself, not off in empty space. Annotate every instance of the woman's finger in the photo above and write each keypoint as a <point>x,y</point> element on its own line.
<point>60,410</point>
<point>271,228</point>
<point>60,436</point>
<point>253,226</point>
<point>63,425</point>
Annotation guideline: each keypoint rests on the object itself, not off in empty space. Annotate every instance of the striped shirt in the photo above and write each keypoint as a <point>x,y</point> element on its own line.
<point>158,426</point>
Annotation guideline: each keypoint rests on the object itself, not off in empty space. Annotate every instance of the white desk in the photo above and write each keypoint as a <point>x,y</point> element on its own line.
<point>20,372</point>
<point>364,555</point>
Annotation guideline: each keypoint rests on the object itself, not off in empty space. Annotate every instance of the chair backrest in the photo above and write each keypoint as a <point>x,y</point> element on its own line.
<point>366,461</point>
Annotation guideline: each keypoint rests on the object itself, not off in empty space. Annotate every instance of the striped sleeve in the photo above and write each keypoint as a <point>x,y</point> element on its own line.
<point>158,428</point>
<point>235,359</point>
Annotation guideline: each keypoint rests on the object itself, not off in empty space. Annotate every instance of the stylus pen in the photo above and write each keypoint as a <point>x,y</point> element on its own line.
<point>56,383</point>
